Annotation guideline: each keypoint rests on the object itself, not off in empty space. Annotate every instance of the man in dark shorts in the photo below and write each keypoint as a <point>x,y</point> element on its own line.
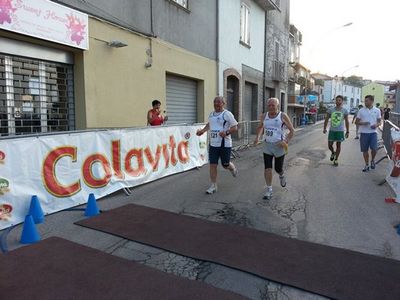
<point>339,117</point>
<point>221,124</point>
<point>274,124</point>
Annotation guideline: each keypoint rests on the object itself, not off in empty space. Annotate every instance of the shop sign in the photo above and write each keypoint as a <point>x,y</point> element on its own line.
<point>45,20</point>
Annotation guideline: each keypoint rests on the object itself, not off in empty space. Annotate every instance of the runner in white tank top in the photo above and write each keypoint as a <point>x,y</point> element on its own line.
<point>221,124</point>
<point>273,128</point>
<point>274,123</point>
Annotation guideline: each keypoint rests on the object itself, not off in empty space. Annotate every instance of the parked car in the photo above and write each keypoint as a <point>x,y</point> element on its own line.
<point>353,110</point>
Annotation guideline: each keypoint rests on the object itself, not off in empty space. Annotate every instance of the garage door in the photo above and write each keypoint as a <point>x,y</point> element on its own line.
<point>181,100</point>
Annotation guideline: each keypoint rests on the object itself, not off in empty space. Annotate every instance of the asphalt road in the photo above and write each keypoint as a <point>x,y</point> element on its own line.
<point>336,206</point>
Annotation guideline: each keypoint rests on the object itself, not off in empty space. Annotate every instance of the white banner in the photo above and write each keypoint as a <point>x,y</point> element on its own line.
<point>393,176</point>
<point>62,170</point>
<point>46,20</point>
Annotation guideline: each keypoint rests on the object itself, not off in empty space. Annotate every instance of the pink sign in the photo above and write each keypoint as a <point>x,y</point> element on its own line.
<point>46,20</point>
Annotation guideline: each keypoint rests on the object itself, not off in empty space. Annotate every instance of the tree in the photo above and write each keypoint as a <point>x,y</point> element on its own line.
<point>354,81</point>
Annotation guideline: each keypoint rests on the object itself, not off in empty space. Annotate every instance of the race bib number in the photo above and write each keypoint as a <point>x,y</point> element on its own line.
<point>269,133</point>
<point>214,134</point>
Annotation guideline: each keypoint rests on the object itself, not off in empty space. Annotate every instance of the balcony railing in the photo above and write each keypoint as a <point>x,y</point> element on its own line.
<point>269,4</point>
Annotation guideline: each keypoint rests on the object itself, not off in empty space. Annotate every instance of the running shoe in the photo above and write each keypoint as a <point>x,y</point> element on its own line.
<point>212,189</point>
<point>268,194</point>
<point>282,180</point>
<point>234,171</point>
<point>372,164</point>
<point>332,156</point>
<point>356,138</point>
<point>335,162</point>
<point>366,169</point>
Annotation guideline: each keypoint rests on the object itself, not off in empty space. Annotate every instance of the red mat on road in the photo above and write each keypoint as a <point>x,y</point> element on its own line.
<point>59,269</point>
<point>328,271</point>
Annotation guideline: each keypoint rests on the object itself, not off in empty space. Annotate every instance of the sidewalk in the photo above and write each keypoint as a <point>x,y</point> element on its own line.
<point>299,128</point>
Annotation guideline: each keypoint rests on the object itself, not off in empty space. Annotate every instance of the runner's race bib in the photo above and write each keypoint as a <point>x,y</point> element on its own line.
<point>215,137</point>
<point>271,135</point>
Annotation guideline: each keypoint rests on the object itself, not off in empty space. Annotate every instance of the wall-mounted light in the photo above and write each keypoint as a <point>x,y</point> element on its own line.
<point>117,44</point>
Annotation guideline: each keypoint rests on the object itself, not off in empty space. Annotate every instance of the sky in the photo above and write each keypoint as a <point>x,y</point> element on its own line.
<point>370,47</point>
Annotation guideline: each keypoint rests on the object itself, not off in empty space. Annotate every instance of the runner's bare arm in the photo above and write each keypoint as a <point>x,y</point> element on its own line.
<point>358,122</point>
<point>378,123</point>
<point>346,121</point>
<point>204,129</point>
<point>289,125</point>
<point>260,129</point>
<point>232,129</point>
<point>327,116</point>
<point>149,118</point>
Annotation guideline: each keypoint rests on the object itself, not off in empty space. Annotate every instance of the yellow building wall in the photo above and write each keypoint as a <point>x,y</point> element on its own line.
<point>375,89</point>
<point>113,88</point>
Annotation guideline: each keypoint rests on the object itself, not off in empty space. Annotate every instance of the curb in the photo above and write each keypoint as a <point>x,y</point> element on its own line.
<point>307,126</point>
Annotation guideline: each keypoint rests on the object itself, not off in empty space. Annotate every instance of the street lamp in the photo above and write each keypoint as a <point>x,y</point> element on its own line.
<point>310,52</point>
<point>325,35</point>
<point>353,67</point>
<point>345,25</point>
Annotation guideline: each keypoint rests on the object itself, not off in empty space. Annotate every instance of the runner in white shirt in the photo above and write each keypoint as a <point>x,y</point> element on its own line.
<point>221,124</point>
<point>274,124</point>
<point>368,119</point>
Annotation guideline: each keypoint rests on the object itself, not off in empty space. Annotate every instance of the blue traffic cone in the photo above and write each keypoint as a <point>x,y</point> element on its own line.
<point>91,207</point>
<point>29,233</point>
<point>35,210</point>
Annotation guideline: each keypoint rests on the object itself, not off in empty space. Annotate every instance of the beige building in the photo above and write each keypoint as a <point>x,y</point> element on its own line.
<point>49,87</point>
<point>120,83</point>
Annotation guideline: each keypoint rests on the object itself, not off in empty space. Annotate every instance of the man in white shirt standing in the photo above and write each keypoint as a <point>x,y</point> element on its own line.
<point>221,124</point>
<point>368,119</point>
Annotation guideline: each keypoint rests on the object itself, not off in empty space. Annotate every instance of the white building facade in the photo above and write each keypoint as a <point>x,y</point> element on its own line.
<point>351,95</point>
<point>241,40</point>
<point>336,86</point>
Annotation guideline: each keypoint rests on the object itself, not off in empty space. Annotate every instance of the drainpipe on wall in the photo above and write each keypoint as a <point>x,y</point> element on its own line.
<point>217,45</point>
<point>265,60</point>
<point>149,52</point>
<point>151,18</point>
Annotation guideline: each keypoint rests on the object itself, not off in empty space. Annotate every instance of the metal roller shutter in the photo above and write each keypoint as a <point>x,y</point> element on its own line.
<point>248,102</point>
<point>181,100</point>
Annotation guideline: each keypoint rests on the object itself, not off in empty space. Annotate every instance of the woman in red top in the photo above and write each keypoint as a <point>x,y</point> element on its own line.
<point>154,117</point>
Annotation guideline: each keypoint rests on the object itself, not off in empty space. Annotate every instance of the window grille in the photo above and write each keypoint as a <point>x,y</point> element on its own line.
<point>35,96</point>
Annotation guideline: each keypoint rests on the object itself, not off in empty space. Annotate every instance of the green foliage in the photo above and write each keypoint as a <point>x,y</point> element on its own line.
<point>354,81</point>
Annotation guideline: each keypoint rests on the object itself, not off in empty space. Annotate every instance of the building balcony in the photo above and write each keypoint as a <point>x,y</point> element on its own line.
<point>269,4</point>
